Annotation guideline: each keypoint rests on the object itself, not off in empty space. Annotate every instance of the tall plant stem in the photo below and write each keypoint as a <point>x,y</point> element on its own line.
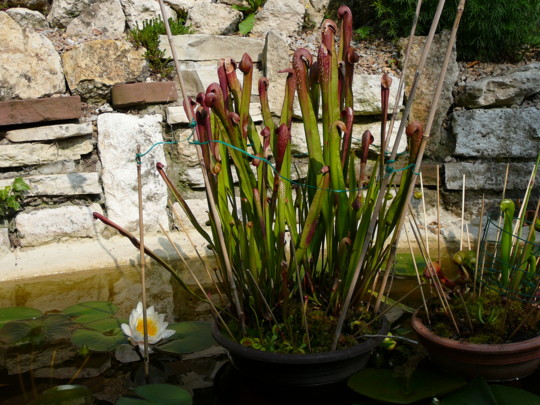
<point>429,124</point>
<point>143,270</point>
<point>208,188</point>
<point>385,181</point>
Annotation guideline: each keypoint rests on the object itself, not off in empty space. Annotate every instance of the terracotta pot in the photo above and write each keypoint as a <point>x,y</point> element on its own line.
<point>495,362</point>
<point>299,369</point>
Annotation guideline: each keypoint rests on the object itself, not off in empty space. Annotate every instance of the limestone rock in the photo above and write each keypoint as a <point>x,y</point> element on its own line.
<point>56,224</point>
<point>276,15</point>
<point>105,17</point>
<point>4,240</point>
<point>184,5</point>
<point>137,11</point>
<point>119,135</point>
<point>40,153</point>
<point>315,11</point>
<point>497,133</point>
<point>29,65</point>
<point>61,184</point>
<point>427,84</point>
<point>63,11</point>
<point>504,90</point>
<point>276,57</point>
<point>202,47</point>
<point>49,132</point>
<point>482,175</point>
<point>93,67</point>
<point>217,19</point>
<point>28,18</point>
<point>367,94</point>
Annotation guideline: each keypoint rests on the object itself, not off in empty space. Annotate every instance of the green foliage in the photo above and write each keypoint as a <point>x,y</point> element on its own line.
<point>249,11</point>
<point>11,197</point>
<point>148,37</point>
<point>64,394</point>
<point>493,30</point>
<point>363,33</point>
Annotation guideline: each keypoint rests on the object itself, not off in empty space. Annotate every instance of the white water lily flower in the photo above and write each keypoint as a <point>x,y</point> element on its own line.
<point>157,328</point>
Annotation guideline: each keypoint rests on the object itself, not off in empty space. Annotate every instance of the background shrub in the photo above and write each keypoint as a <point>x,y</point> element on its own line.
<point>490,30</point>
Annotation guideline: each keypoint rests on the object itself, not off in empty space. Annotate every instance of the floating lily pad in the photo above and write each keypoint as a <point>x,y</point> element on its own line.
<point>98,341</point>
<point>64,395</point>
<point>106,325</point>
<point>50,328</point>
<point>512,396</point>
<point>91,311</point>
<point>383,385</point>
<point>164,394</point>
<point>189,337</point>
<point>477,392</point>
<point>18,314</point>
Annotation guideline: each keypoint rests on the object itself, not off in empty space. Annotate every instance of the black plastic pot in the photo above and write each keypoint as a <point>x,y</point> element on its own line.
<point>299,370</point>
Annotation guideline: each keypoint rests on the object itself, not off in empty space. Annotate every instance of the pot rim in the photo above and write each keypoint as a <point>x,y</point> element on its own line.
<point>301,358</point>
<point>501,348</point>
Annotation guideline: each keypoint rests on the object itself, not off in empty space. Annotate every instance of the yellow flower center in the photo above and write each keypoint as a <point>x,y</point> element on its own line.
<point>151,325</point>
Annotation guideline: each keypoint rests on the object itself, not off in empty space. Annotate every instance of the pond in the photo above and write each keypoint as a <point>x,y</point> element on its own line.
<point>24,373</point>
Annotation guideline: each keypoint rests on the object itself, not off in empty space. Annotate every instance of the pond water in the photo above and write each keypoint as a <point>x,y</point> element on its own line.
<point>208,374</point>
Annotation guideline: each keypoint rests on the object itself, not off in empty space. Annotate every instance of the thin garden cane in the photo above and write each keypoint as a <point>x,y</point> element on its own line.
<point>462,214</point>
<point>209,192</point>
<point>426,135</point>
<point>431,270</point>
<point>385,182</point>
<point>438,215</point>
<point>424,212</point>
<point>209,300</point>
<point>418,276</point>
<point>143,268</point>
<point>404,69</point>
<point>478,245</point>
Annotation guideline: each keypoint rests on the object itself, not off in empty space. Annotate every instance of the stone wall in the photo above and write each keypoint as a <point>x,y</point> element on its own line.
<point>77,103</point>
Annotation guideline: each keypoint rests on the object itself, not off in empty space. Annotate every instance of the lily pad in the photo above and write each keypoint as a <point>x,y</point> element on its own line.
<point>106,325</point>
<point>91,311</point>
<point>17,314</point>
<point>98,341</point>
<point>49,328</point>
<point>189,337</point>
<point>164,394</point>
<point>64,395</point>
<point>511,396</point>
<point>477,392</point>
<point>383,385</point>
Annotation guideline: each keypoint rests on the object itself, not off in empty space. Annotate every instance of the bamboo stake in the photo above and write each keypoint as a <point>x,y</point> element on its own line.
<point>209,300</point>
<point>438,217</point>
<point>209,194</point>
<point>384,184</point>
<point>399,97</point>
<point>143,269</point>
<point>417,275</point>
<point>478,245</point>
<point>462,214</point>
<point>426,135</point>
<point>424,211</point>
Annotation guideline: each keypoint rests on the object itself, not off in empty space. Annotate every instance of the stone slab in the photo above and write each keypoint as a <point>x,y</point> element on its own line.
<point>61,184</point>
<point>124,95</point>
<point>201,47</point>
<point>16,112</point>
<point>487,175</point>
<point>497,133</point>
<point>48,225</point>
<point>49,132</point>
<point>40,153</point>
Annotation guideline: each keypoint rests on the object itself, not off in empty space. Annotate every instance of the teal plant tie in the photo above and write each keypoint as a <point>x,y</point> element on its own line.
<point>389,168</point>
